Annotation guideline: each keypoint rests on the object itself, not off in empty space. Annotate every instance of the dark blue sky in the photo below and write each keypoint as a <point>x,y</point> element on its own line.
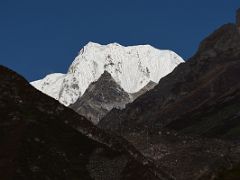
<point>38,37</point>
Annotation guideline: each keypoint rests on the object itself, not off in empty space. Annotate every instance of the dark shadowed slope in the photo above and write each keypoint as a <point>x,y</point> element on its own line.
<point>194,95</point>
<point>100,97</point>
<point>178,121</point>
<point>41,139</point>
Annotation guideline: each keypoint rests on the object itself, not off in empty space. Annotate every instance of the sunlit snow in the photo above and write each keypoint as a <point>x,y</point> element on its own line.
<point>132,68</point>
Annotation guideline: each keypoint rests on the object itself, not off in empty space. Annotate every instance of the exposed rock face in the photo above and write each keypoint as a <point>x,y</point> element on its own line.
<point>41,139</point>
<point>199,98</point>
<point>104,95</point>
<point>100,97</point>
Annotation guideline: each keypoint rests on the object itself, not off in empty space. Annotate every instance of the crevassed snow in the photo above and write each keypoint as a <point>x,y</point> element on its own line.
<point>131,67</point>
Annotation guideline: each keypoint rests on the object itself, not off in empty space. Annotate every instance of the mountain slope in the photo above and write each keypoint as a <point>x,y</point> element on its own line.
<point>212,74</point>
<point>50,85</point>
<point>43,140</point>
<point>189,108</point>
<point>131,67</point>
<point>100,97</point>
<point>142,91</point>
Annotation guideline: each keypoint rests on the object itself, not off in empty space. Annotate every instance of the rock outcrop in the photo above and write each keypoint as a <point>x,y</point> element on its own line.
<point>101,97</point>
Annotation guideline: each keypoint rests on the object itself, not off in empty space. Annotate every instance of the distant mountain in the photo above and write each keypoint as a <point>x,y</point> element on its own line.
<point>177,122</point>
<point>40,139</point>
<point>131,67</point>
<point>100,97</point>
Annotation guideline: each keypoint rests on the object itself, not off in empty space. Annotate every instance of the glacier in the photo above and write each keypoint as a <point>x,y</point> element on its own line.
<point>132,67</point>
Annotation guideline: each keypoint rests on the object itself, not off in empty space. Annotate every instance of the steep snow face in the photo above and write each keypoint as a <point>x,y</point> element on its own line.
<point>131,67</point>
<point>50,85</point>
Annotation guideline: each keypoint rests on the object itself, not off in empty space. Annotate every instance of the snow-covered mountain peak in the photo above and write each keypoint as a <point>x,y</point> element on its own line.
<point>132,67</point>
